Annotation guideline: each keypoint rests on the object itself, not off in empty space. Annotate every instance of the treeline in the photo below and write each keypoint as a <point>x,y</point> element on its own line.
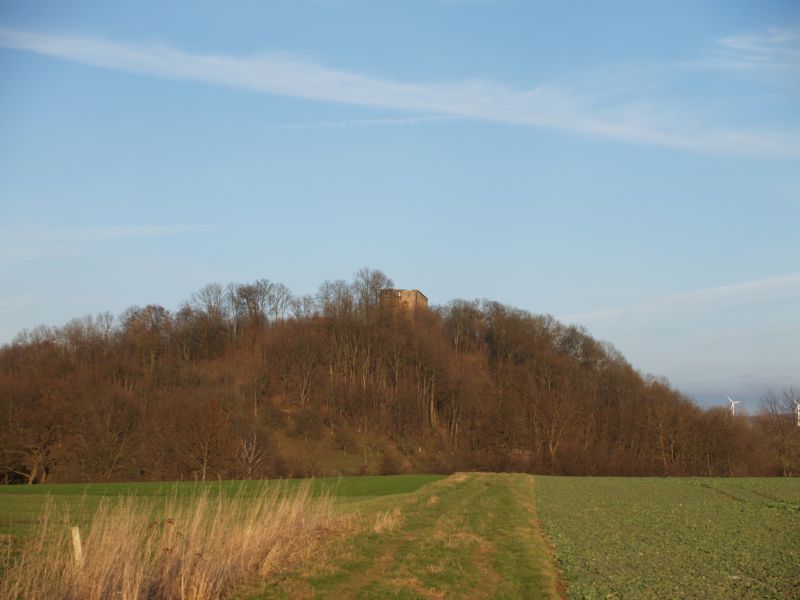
<point>250,381</point>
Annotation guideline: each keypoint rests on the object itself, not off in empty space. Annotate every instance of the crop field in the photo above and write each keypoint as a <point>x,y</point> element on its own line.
<point>673,538</point>
<point>479,535</point>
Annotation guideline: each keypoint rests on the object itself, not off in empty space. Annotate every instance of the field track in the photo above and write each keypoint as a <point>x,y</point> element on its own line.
<point>472,535</point>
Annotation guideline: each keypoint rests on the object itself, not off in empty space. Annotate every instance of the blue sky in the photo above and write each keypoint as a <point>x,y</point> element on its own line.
<point>633,167</point>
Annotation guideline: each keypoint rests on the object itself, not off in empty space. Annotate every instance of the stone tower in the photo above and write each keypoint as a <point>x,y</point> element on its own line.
<point>408,300</point>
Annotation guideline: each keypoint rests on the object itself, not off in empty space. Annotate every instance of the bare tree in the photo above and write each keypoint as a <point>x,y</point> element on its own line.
<point>303,307</point>
<point>367,285</point>
<point>249,301</point>
<point>279,299</point>
<point>335,298</point>
<point>203,438</point>
<point>210,300</point>
<point>779,422</point>
<point>251,455</point>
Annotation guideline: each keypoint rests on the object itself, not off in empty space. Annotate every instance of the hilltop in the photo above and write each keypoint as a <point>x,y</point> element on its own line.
<point>250,381</point>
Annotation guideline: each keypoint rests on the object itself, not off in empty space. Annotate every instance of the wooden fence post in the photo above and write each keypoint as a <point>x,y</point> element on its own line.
<point>77,546</point>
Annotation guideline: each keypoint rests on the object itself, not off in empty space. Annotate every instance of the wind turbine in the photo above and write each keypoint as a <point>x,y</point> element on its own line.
<point>733,405</point>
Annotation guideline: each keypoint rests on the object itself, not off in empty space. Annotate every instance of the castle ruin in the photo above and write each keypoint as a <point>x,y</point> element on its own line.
<point>407,300</point>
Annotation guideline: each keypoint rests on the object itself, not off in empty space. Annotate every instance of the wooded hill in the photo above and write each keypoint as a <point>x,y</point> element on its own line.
<point>250,381</point>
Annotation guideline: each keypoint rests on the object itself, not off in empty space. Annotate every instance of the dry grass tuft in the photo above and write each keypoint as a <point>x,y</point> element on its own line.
<point>460,539</point>
<point>189,549</point>
<point>388,521</point>
<point>420,590</point>
<point>434,569</point>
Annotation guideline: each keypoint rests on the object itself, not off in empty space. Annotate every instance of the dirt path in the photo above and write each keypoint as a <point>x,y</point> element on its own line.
<point>472,535</point>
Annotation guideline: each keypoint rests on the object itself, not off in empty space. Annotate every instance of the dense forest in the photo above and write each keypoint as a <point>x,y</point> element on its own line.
<point>250,381</point>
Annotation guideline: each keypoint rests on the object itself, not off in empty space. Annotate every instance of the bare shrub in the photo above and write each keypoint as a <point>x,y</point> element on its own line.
<point>188,549</point>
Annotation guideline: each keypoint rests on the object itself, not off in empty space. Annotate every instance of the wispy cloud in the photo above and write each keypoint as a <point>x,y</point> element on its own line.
<point>760,292</point>
<point>775,50</point>
<point>365,123</point>
<point>555,107</point>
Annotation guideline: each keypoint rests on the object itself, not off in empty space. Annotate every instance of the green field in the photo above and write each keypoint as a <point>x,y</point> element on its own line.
<point>481,535</point>
<point>672,537</point>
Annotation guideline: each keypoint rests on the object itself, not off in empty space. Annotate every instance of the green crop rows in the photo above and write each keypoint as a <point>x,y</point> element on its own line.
<point>674,538</point>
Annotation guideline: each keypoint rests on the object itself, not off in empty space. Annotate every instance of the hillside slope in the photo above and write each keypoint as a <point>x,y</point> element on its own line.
<point>236,385</point>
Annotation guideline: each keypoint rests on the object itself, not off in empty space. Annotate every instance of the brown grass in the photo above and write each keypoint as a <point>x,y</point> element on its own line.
<point>388,520</point>
<point>194,549</point>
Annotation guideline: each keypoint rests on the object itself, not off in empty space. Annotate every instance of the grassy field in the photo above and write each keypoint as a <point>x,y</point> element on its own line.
<point>181,541</point>
<point>483,535</point>
<point>674,538</point>
<point>20,506</point>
